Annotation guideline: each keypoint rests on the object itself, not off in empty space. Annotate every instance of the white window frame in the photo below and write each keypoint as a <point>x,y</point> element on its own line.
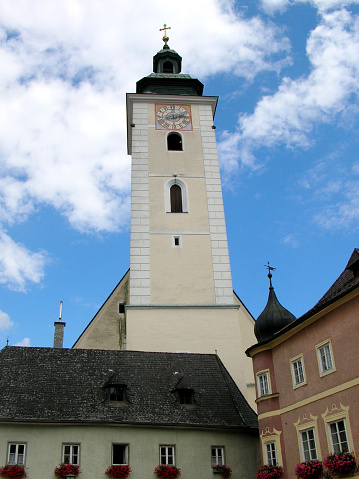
<point>298,371</point>
<point>72,454</point>
<point>218,456</point>
<point>17,454</point>
<point>167,454</point>
<point>338,432</point>
<point>325,361</point>
<point>126,448</point>
<point>271,453</point>
<point>309,454</point>
<point>263,379</point>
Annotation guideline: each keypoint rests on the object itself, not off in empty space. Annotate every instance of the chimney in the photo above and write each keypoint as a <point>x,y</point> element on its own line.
<point>59,330</point>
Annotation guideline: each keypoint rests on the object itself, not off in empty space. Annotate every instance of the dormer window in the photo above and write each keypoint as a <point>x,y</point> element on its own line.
<point>185,396</point>
<point>168,67</point>
<point>116,393</point>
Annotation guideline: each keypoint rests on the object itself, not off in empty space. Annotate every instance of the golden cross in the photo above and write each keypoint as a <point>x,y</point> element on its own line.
<point>165,36</point>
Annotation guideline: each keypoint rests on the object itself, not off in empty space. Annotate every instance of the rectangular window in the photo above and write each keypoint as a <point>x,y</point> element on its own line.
<point>16,453</point>
<point>217,456</point>
<point>176,241</point>
<point>263,384</point>
<point>298,372</point>
<point>271,453</point>
<point>119,454</point>
<point>70,453</point>
<point>325,358</point>
<point>338,436</point>
<point>167,455</point>
<point>308,445</point>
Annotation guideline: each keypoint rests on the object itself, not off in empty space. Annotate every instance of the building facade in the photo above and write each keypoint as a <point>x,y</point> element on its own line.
<point>307,377</point>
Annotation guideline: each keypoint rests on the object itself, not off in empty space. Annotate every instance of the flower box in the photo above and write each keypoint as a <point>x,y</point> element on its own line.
<point>226,471</point>
<point>340,463</point>
<point>118,471</point>
<point>67,470</point>
<point>269,472</point>
<point>12,470</point>
<point>309,470</point>
<point>167,472</point>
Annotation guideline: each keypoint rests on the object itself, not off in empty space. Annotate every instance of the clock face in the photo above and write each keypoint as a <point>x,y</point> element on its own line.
<point>173,117</point>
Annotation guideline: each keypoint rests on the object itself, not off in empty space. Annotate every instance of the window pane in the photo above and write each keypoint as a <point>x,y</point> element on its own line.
<point>176,199</point>
<point>67,451</point>
<point>309,446</point>
<point>271,454</point>
<point>167,455</point>
<point>75,455</point>
<point>119,454</point>
<point>263,384</point>
<point>298,371</point>
<point>339,436</point>
<point>217,456</point>
<point>326,358</point>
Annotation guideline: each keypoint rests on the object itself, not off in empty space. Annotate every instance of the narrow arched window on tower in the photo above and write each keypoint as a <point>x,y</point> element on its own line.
<point>176,199</point>
<point>174,142</point>
<point>168,67</point>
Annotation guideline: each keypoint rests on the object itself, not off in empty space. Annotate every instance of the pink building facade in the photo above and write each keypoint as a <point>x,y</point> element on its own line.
<point>307,377</point>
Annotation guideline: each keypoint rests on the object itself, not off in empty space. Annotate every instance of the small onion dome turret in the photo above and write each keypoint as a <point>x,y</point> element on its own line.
<point>273,318</point>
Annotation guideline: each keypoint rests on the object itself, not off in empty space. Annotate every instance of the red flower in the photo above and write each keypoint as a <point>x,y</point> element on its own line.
<point>166,471</point>
<point>340,462</point>
<point>225,470</point>
<point>12,470</point>
<point>118,471</point>
<point>63,470</point>
<point>309,469</point>
<point>269,472</point>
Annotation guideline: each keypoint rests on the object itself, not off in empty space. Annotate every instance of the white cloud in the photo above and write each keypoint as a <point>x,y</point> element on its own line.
<point>5,321</point>
<point>272,6</point>
<point>18,265</point>
<point>334,187</point>
<point>344,213</point>
<point>25,343</point>
<point>290,240</point>
<point>288,116</point>
<point>65,71</point>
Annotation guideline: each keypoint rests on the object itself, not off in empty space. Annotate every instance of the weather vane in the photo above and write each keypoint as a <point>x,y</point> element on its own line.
<point>269,268</point>
<point>165,37</point>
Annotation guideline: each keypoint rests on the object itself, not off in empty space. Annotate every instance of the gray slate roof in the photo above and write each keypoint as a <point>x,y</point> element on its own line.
<point>67,385</point>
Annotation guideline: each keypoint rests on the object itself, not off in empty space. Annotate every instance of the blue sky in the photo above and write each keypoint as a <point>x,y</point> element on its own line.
<point>287,76</point>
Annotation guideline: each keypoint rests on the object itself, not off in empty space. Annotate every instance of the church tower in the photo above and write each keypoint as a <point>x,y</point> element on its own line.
<point>179,295</point>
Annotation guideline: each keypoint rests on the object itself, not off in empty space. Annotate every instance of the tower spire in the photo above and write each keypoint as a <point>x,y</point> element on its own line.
<point>274,317</point>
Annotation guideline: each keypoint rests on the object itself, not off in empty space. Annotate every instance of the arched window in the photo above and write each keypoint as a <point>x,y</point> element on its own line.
<point>174,142</point>
<point>168,67</point>
<point>176,199</point>
<point>176,196</point>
